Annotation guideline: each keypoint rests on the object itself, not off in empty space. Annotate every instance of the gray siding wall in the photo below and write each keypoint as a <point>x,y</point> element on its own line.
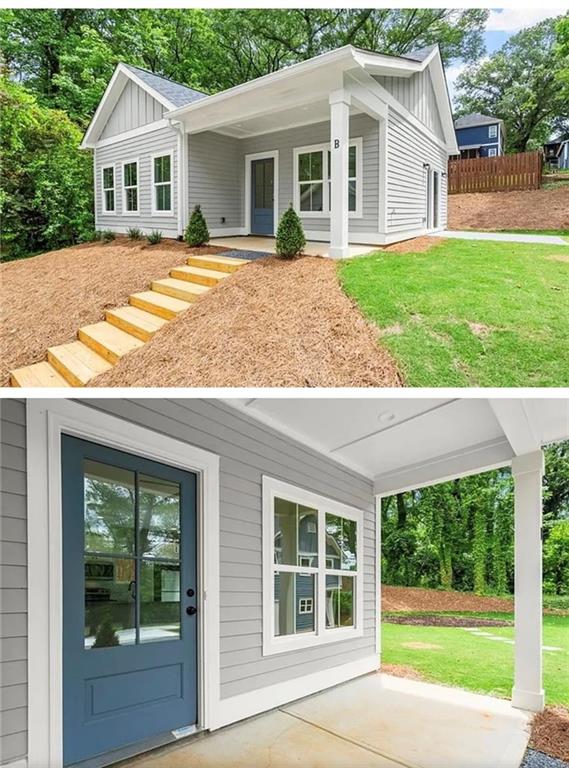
<point>13,594</point>
<point>248,450</point>
<point>134,108</point>
<point>408,149</point>
<point>215,178</point>
<point>142,147</point>
<point>416,94</point>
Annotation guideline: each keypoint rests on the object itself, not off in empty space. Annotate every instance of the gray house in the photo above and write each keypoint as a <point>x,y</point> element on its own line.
<point>174,566</point>
<point>357,141</point>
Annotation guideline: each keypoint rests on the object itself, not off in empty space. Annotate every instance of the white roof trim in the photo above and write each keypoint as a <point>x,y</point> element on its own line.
<point>112,94</point>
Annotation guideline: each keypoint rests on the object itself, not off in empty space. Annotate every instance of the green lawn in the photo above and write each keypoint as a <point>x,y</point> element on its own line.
<point>564,233</point>
<point>477,663</point>
<point>469,313</point>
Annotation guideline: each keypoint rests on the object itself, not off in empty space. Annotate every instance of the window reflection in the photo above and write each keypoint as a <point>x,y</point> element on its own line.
<point>296,534</point>
<point>294,603</point>
<point>110,602</point>
<point>109,508</point>
<point>339,601</point>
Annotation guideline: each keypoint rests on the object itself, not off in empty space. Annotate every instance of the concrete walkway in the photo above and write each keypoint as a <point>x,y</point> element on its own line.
<point>375,721</point>
<point>502,237</point>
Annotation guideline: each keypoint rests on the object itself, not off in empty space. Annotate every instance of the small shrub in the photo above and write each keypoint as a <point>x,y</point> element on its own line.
<point>290,235</point>
<point>134,233</point>
<point>154,237</point>
<point>107,235</point>
<point>196,233</point>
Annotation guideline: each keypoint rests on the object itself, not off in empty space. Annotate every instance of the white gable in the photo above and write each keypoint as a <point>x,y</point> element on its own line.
<point>135,107</point>
<point>417,95</point>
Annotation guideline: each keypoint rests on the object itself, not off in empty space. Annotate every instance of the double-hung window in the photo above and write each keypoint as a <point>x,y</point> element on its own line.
<point>492,131</point>
<point>130,186</point>
<point>108,178</point>
<point>162,184</point>
<point>312,569</point>
<point>313,175</point>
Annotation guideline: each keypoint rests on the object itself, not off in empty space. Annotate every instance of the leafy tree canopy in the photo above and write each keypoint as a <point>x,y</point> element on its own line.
<point>522,84</point>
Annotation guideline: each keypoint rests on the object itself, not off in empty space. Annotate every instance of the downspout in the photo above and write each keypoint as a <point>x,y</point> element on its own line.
<point>178,126</point>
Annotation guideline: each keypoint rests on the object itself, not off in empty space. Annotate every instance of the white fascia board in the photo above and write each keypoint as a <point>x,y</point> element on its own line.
<point>112,93</point>
<point>513,418</point>
<point>381,64</point>
<point>443,100</point>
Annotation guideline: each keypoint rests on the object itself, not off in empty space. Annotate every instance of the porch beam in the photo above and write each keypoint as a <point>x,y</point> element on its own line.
<point>527,471</point>
<point>339,149</point>
<point>514,420</point>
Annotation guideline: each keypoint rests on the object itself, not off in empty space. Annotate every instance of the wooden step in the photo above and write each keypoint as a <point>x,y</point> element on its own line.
<point>108,340</point>
<point>37,375</point>
<point>198,275</point>
<point>135,321</point>
<point>179,289</point>
<point>77,363</point>
<point>159,304</point>
<point>221,263</point>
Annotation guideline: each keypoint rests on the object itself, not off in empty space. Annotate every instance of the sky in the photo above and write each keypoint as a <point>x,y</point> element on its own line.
<point>503,23</point>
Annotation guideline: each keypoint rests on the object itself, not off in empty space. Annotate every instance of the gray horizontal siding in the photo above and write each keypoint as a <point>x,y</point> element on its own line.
<point>135,107</point>
<point>417,95</point>
<point>13,570</point>
<point>408,149</point>
<point>141,147</point>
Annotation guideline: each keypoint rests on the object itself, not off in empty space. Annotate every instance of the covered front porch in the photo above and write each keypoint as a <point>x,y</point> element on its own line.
<point>376,721</point>
<point>268,245</point>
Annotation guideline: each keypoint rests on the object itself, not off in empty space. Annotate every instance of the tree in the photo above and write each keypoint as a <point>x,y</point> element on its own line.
<point>196,233</point>
<point>520,85</point>
<point>290,235</point>
<point>556,559</point>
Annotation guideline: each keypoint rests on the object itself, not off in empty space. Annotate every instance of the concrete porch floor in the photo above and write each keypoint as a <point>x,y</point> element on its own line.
<point>267,244</point>
<point>376,721</point>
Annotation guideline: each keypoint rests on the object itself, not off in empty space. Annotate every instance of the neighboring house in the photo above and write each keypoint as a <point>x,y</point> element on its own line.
<point>358,142</point>
<point>556,153</point>
<point>479,136</point>
<point>150,551</point>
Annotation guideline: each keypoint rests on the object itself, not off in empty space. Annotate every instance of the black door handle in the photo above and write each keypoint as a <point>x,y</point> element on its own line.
<point>191,611</point>
<point>190,592</point>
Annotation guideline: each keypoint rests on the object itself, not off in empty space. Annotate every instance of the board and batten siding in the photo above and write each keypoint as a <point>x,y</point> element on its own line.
<point>248,450</point>
<point>134,108</point>
<point>161,141</point>
<point>408,149</point>
<point>417,95</point>
<point>13,592</point>
<point>215,179</point>
<point>319,133</point>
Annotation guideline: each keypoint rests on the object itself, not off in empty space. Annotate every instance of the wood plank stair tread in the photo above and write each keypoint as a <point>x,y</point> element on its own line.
<point>180,289</point>
<point>77,363</point>
<point>136,321</point>
<point>222,263</point>
<point>159,303</point>
<point>108,340</point>
<point>198,275</point>
<point>37,375</point>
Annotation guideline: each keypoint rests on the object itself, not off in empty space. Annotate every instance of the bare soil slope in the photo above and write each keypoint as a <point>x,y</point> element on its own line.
<point>417,599</point>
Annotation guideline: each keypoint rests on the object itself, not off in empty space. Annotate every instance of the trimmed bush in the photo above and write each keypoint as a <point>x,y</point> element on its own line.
<point>154,237</point>
<point>134,233</point>
<point>196,233</point>
<point>290,235</point>
<point>107,235</point>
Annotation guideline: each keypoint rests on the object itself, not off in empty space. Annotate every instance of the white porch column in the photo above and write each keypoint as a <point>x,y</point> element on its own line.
<point>527,471</point>
<point>339,148</point>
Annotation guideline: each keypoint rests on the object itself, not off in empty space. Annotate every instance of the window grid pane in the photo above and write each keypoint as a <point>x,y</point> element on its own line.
<point>352,178</point>
<point>108,178</point>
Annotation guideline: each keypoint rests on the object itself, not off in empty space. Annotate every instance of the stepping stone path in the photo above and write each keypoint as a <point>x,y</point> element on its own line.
<point>101,345</point>
<point>479,633</point>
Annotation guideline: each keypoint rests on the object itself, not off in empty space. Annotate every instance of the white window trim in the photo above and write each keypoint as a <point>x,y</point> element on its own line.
<point>492,131</point>
<point>492,152</point>
<point>155,211</point>
<point>47,420</point>
<point>123,188</point>
<point>273,488</point>
<point>305,606</point>
<point>104,208</point>
<point>324,148</point>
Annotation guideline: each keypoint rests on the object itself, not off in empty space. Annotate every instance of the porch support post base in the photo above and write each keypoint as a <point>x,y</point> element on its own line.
<point>527,471</point>
<point>338,253</point>
<point>339,150</point>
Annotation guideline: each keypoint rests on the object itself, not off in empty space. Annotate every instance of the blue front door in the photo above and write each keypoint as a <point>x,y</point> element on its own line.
<point>129,599</point>
<point>262,196</point>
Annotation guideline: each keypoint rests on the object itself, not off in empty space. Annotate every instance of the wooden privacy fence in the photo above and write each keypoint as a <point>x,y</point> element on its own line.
<point>495,174</point>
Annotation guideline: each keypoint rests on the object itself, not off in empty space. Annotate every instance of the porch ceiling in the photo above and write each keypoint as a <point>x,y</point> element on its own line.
<point>408,442</point>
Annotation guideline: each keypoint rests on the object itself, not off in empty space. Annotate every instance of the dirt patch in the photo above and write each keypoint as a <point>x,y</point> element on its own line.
<point>416,245</point>
<point>417,599</point>
<point>422,646</point>
<point>400,670</point>
<point>478,329</point>
<point>446,621</point>
<point>532,209</point>
<point>559,256</point>
<point>45,299</point>
<point>273,323</point>
<point>550,732</point>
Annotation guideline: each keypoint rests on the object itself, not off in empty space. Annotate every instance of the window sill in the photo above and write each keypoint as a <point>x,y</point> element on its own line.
<point>290,643</point>
<point>318,215</point>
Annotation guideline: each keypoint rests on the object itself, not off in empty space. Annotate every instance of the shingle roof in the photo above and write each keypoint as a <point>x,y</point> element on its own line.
<point>176,93</point>
<point>420,54</point>
<point>469,121</point>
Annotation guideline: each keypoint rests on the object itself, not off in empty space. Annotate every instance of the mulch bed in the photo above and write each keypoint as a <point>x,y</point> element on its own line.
<point>532,209</point>
<point>417,599</point>
<point>275,323</point>
<point>550,732</point>
<point>445,621</point>
<point>416,245</point>
<point>45,299</point>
